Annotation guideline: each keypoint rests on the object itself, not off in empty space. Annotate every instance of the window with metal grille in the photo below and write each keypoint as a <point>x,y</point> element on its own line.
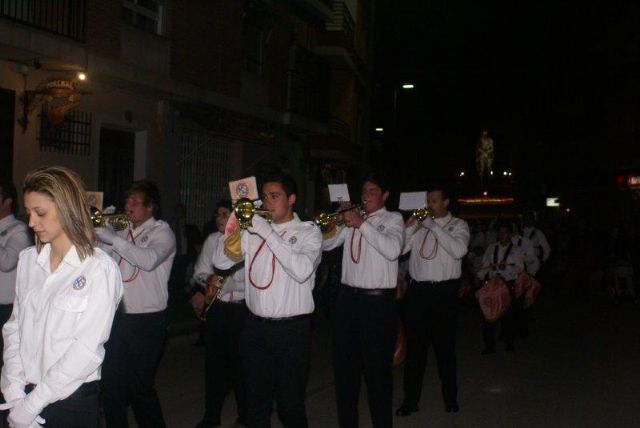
<point>72,136</point>
<point>204,172</point>
<point>147,15</point>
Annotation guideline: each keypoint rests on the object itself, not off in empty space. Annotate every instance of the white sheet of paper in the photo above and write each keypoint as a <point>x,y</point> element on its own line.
<point>338,193</point>
<point>412,200</point>
<point>243,188</point>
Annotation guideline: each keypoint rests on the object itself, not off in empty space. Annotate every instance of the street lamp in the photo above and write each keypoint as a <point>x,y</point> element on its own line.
<point>407,87</point>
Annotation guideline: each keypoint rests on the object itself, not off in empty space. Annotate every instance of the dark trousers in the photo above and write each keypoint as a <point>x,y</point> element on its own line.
<point>364,335</point>
<point>275,359</point>
<point>223,367</point>
<point>132,356</point>
<point>508,323</point>
<point>79,410</point>
<point>431,319</point>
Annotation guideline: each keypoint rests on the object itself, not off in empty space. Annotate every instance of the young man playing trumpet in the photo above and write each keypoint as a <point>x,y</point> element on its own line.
<point>437,244</point>
<point>280,260</point>
<point>364,330</point>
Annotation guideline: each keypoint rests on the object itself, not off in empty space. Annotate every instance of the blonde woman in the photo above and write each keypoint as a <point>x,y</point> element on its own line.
<point>67,292</point>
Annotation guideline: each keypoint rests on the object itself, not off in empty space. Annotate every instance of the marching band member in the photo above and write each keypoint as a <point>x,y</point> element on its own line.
<point>223,326</point>
<point>506,260</point>
<point>144,251</point>
<point>364,322</point>
<point>67,292</point>
<point>531,260</point>
<point>14,237</point>
<point>537,237</point>
<point>438,245</point>
<point>280,260</point>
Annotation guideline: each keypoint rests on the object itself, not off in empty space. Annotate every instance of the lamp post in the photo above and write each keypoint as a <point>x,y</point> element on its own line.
<point>407,86</point>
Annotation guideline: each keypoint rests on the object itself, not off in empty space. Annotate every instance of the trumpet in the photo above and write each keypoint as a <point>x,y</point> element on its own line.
<point>203,280</point>
<point>323,219</point>
<point>422,213</point>
<point>116,221</point>
<point>245,210</point>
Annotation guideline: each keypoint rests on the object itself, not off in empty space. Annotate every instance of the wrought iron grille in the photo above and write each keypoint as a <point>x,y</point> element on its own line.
<point>66,18</point>
<point>72,136</point>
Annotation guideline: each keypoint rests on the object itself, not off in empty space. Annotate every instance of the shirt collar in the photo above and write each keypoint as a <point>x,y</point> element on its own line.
<point>7,221</point>
<point>281,226</point>
<point>71,258</point>
<point>380,211</point>
<point>146,225</point>
<point>444,220</point>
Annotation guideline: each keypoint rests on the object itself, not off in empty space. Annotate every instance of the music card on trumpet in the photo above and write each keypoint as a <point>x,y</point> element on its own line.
<point>94,199</point>
<point>243,188</point>
<point>410,201</point>
<point>339,193</point>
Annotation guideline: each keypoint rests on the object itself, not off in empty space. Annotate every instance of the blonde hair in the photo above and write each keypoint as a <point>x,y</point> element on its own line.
<point>66,189</point>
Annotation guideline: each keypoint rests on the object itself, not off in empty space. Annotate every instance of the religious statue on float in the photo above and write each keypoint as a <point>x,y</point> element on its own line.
<point>484,154</point>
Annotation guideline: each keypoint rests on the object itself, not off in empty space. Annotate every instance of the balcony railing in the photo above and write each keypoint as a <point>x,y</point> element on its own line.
<point>308,85</point>
<point>341,20</point>
<point>66,18</point>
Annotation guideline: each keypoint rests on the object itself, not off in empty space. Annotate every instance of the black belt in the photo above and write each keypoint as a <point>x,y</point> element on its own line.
<point>85,390</point>
<point>369,291</point>
<point>447,281</point>
<point>275,320</point>
<point>233,302</point>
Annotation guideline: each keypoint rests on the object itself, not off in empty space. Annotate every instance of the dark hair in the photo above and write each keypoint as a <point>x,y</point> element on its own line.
<point>503,224</point>
<point>224,203</point>
<point>8,191</point>
<point>380,179</point>
<point>438,187</point>
<point>288,183</point>
<point>150,195</point>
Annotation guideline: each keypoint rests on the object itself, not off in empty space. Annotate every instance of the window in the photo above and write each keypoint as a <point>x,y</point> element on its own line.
<point>147,15</point>
<point>72,136</point>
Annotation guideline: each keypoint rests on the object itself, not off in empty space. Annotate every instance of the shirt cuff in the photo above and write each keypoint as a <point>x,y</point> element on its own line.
<point>13,393</point>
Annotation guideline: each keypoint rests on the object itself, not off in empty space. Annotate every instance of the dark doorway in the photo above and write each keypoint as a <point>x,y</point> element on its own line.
<point>7,117</point>
<point>115,173</point>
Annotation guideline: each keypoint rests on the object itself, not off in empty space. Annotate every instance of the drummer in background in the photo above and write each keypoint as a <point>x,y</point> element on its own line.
<point>67,292</point>
<point>223,325</point>
<point>505,260</point>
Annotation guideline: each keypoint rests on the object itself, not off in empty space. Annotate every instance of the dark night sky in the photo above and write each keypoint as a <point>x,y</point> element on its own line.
<point>548,79</point>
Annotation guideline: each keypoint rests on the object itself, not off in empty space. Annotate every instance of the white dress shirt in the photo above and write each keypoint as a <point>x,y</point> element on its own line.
<point>60,322</point>
<point>539,241</point>
<point>370,253</point>
<point>14,237</point>
<point>145,256</point>
<point>233,288</point>
<point>514,264</point>
<point>437,248</point>
<point>531,261</point>
<point>285,267</point>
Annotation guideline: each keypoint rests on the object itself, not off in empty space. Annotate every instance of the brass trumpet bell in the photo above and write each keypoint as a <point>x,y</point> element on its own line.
<point>323,220</point>
<point>422,213</point>
<point>116,221</point>
<point>245,210</point>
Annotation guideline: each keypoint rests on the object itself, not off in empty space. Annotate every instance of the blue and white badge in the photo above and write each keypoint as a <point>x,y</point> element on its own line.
<point>79,283</point>
<point>381,228</point>
<point>293,240</point>
<point>3,233</point>
<point>144,239</point>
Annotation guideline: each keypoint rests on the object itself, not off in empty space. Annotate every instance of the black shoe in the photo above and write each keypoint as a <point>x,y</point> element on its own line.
<point>452,407</point>
<point>405,410</point>
<point>488,351</point>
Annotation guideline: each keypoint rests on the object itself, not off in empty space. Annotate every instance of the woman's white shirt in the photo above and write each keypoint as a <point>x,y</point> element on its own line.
<point>61,320</point>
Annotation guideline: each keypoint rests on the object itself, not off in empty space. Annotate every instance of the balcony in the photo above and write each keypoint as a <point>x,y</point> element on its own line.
<point>308,85</point>
<point>319,8</point>
<point>336,43</point>
<point>66,18</point>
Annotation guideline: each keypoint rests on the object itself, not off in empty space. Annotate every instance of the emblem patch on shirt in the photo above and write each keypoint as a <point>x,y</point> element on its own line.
<point>381,228</point>
<point>3,233</point>
<point>293,240</point>
<point>144,239</point>
<point>79,283</point>
<point>450,228</point>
